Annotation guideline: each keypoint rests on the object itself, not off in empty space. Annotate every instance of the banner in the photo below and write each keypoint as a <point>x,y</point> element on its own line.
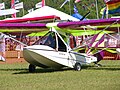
<point>19,5</point>
<point>8,12</point>
<point>38,5</point>
<point>2,5</point>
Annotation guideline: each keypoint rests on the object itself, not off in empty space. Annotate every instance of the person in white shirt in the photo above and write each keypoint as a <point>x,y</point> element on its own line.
<point>2,47</point>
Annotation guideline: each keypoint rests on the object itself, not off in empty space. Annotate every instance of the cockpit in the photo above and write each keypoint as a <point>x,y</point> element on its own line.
<point>53,40</point>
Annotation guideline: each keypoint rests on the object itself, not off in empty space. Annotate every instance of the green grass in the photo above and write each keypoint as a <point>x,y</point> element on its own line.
<point>16,77</point>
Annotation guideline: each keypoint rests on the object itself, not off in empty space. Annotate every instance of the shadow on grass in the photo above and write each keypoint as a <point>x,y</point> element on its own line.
<point>105,68</point>
<point>42,70</point>
<point>49,70</point>
<point>68,69</point>
<point>38,70</point>
<point>13,69</point>
<point>110,68</point>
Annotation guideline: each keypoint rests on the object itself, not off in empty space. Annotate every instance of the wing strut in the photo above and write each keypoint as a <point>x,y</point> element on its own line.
<point>14,39</point>
<point>84,44</point>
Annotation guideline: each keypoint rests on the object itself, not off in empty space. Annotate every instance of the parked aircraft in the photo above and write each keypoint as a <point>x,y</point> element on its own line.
<point>53,50</point>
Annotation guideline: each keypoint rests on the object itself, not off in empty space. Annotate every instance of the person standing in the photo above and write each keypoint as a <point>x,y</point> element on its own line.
<point>2,47</point>
<point>19,48</point>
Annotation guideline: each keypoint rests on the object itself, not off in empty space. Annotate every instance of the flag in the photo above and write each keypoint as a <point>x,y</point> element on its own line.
<point>30,10</point>
<point>13,2</point>
<point>76,1</point>
<point>64,3</point>
<point>113,6</point>
<point>2,5</point>
<point>38,5</point>
<point>104,12</point>
<point>43,3</point>
<point>19,5</point>
<point>16,1</point>
<point>75,9</point>
<point>13,7</point>
<point>106,1</point>
<point>77,15</point>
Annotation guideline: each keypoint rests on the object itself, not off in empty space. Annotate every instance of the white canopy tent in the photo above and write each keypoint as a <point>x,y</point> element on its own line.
<point>47,11</point>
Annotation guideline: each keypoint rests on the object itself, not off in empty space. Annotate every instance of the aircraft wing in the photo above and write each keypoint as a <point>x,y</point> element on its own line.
<point>25,28</point>
<point>77,28</point>
<point>88,27</point>
<point>26,25</point>
<point>99,24</point>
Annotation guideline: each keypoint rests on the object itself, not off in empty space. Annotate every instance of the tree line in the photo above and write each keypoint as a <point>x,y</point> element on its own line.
<point>83,6</point>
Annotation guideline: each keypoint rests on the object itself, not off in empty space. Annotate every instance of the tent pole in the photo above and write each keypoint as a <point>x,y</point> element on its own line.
<point>96,1</point>
<point>70,7</point>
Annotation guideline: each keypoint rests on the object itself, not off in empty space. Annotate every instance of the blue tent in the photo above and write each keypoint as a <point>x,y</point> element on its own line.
<point>78,16</point>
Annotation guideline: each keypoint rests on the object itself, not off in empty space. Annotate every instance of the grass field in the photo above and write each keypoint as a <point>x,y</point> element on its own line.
<point>16,77</point>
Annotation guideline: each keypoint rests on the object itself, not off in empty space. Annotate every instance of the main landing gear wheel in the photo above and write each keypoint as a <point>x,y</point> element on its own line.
<point>32,68</point>
<point>77,67</point>
<point>98,65</point>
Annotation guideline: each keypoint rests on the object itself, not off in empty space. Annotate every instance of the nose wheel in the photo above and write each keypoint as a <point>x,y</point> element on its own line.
<point>32,68</point>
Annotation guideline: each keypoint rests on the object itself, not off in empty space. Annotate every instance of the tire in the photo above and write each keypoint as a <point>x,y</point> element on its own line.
<point>98,65</point>
<point>32,68</point>
<point>77,67</point>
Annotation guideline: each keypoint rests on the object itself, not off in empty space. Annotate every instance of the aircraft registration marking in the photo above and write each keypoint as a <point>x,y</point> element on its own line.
<point>61,54</point>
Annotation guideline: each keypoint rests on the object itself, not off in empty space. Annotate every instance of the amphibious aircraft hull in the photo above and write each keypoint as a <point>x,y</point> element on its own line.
<point>45,56</point>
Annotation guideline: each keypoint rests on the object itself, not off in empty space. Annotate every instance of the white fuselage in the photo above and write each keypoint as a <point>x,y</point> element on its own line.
<point>45,56</point>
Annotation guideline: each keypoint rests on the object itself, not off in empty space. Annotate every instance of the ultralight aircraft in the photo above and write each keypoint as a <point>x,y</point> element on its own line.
<point>53,49</point>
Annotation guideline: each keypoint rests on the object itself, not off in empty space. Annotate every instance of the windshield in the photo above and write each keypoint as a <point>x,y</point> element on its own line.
<point>48,39</point>
<point>53,40</point>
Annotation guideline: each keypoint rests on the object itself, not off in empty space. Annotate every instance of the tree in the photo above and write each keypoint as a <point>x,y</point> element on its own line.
<point>83,7</point>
